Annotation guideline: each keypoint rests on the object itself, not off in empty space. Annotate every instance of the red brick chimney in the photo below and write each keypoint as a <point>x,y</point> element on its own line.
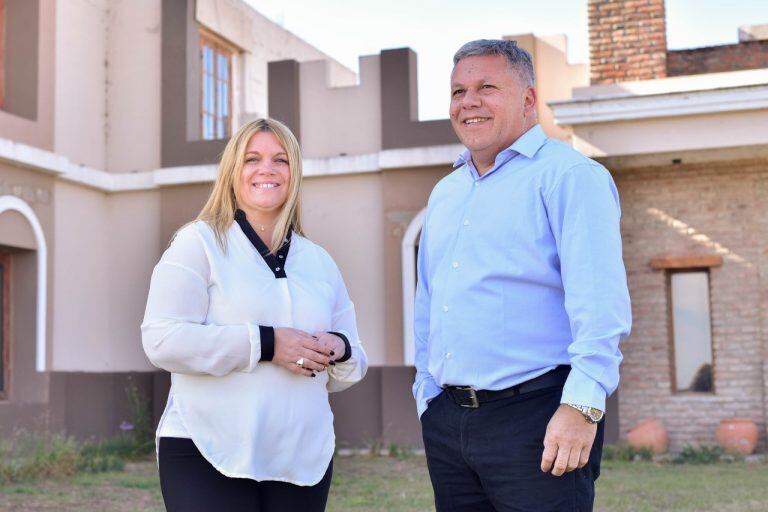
<point>627,40</point>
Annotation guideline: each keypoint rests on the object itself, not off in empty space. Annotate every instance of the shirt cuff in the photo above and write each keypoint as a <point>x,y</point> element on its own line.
<point>254,337</point>
<point>267,335</point>
<point>347,347</point>
<point>426,391</point>
<point>580,389</point>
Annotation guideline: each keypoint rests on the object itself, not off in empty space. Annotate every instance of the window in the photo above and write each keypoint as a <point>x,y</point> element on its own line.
<point>216,86</point>
<point>691,330</point>
<point>5,299</point>
<point>2,53</point>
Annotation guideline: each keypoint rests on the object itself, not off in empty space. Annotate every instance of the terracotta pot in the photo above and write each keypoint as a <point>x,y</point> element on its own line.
<point>649,434</point>
<point>737,436</point>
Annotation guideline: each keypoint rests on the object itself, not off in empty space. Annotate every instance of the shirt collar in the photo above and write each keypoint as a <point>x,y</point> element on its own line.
<point>527,145</point>
<point>275,262</point>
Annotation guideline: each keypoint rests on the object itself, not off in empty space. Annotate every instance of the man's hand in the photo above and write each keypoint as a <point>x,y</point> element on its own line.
<point>568,441</point>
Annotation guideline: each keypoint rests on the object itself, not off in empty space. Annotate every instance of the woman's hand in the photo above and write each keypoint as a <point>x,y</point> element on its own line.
<point>292,345</point>
<point>331,345</point>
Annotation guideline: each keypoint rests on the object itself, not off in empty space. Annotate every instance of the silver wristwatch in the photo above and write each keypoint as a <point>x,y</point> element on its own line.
<point>591,414</point>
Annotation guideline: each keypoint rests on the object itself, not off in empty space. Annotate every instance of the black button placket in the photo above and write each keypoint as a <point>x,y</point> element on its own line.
<point>275,262</point>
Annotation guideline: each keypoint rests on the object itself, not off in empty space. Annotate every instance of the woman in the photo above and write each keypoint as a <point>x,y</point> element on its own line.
<point>255,325</point>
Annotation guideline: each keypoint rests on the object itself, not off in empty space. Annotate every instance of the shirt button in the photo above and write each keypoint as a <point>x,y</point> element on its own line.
<point>280,256</point>
<point>445,308</point>
<point>455,264</point>
<point>477,183</point>
<point>466,222</point>
<point>448,355</point>
<point>277,269</point>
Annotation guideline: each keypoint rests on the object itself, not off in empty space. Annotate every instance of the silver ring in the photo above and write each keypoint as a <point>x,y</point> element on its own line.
<point>300,362</point>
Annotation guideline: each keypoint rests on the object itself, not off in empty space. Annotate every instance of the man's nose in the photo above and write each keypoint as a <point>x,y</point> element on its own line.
<point>471,99</point>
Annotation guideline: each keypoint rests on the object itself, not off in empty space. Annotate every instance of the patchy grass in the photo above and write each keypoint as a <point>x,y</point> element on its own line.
<point>401,484</point>
<point>647,487</point>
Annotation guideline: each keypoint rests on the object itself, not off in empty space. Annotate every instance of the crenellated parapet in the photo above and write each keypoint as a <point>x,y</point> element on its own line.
<point>379,112</point>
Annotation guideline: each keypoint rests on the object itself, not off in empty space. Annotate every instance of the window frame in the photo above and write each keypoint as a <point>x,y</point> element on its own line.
<point>671,264</point>
<point>671,329</point>
<point>5,324</point>
<point>220,46</point>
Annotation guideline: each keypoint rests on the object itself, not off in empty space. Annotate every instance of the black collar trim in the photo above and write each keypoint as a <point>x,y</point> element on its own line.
<point>275,262</point>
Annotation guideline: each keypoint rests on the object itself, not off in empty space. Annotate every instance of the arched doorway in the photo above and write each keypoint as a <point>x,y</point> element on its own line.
<point>409,250</point>
<point>13,203</point>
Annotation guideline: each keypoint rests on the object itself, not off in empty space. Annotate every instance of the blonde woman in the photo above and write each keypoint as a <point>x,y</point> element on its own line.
<point>255,325</point>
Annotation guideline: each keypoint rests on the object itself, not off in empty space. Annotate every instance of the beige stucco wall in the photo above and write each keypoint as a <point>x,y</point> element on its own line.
<point>106,247</point>
<point>340,120</point>
<point>81,73</point>
<point>344,215</point>
<point>133,86</point>
<point>262,41</point>
<point>648,136</point>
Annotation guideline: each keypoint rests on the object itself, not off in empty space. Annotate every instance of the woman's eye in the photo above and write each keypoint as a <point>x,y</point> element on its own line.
<point>282,160</point>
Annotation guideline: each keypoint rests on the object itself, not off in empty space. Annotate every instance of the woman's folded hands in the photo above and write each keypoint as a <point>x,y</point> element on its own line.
<point>305,354</point>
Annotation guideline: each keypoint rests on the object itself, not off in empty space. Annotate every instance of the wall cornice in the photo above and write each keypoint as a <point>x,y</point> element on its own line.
<point>99,179</point>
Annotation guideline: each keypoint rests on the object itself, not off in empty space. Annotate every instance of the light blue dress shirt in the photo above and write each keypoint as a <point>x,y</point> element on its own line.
<point>520,270</point>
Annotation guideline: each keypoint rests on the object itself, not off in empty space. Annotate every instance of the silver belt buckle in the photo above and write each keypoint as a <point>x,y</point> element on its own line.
<point>473,395</point>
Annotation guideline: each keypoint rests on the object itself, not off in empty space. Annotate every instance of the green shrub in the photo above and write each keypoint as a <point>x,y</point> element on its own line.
<point>25,456</point>
<point>137,438</point>
<point>95,462</point>
<point>699,455</point>
<point>626,453</point>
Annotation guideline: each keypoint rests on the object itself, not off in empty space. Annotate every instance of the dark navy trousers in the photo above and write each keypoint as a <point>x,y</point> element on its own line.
<point>489,458</point>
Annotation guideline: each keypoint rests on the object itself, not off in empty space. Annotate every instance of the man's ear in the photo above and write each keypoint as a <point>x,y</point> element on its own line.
<point>530,98</point>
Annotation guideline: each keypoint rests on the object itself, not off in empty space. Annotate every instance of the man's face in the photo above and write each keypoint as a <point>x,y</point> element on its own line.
<point>490,108</point>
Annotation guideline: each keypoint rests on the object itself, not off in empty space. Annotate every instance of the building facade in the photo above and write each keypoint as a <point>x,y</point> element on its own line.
<point>112,116</point>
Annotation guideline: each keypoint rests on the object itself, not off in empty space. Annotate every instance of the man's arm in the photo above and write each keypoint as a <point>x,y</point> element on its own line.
<point>584,215</point>
<point>424,388</point>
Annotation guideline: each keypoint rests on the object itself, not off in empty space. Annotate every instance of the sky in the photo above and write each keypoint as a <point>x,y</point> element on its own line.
<point>435,29</point>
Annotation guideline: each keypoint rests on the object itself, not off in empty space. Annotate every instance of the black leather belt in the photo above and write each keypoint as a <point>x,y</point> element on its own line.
<point>466,396</point>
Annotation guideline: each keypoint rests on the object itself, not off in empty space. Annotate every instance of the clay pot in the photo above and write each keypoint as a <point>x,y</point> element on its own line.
<point>649,434</point>
<point>737,436</point>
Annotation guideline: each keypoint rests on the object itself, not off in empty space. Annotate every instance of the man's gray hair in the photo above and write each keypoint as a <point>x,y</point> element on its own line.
<point>519,59</point>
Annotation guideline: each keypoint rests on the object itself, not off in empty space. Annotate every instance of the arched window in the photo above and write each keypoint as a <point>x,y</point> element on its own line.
<point>409,253</point>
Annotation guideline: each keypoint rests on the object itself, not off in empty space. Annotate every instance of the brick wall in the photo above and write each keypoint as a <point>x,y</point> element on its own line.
<point>697,210</point>
<point>714,59</point>
<point>627,40</point>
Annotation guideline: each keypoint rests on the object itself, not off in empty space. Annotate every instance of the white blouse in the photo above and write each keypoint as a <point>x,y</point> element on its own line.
<point>249,419</point>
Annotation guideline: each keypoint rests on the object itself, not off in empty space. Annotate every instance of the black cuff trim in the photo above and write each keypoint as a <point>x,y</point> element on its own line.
<point>267,343</point>
<point>347,347</point>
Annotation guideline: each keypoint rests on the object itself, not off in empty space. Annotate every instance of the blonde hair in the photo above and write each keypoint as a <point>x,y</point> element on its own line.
<point>219,210</point>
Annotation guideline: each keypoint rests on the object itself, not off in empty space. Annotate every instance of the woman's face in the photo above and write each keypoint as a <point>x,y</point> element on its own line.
<point>265,177</point>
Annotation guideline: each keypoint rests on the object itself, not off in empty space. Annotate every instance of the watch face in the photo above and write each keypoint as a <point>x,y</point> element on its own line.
<point>595,414</point>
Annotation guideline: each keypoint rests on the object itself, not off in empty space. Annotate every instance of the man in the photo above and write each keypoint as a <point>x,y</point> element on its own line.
<point>521,302</point>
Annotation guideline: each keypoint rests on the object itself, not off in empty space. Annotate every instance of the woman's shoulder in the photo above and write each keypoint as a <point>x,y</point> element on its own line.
<point>191,241</point>
<point>191,234</point>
